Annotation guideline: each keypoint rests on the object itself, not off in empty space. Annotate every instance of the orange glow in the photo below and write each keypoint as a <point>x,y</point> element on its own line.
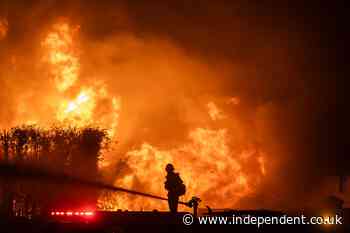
<point>61,53</point>
<point>70,213</point>
<point>62,56</point>
<point>234,100</point>
<point>3,28</point>
<point>89,213</point>
<point>79,110</point>
<point>217,175</point>
<point>214,164</point>
<point>214,112</point>
<point>261,161</point>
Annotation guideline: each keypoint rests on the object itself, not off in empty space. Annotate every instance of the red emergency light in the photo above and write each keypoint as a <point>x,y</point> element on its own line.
<point>71,213</point>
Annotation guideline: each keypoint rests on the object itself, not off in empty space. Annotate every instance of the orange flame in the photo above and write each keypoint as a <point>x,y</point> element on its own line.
<point>62,56</point>
<point>206,163</point>
<point>214,112</point>
<point>81,110</point>
<point>211,167</point>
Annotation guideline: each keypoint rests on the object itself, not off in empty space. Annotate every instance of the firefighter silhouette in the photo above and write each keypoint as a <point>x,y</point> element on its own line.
<point>175,187</point>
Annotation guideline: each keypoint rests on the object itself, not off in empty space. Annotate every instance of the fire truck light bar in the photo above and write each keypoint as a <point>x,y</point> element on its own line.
<point>70,213</point>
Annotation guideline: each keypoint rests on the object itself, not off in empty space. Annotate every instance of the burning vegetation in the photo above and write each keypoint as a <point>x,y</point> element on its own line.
<point>227,178</point>
<point>231,171</point>
<point>71,151</point>
<point>217,120</point>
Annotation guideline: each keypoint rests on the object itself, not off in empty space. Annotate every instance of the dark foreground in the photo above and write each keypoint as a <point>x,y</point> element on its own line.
<point>123,222</point>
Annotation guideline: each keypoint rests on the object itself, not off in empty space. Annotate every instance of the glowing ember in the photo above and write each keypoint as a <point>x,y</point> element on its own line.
<point>3,28</point>
<point>214,112</point>
<point>234,100</point>
<point>261,160</point>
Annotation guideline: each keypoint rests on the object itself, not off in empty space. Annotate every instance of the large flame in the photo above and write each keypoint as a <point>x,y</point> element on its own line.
<point>62,55</point>
<point>213,168</point>
<point>80,109</point>
<point>209,167</point>
<point>84,108</point>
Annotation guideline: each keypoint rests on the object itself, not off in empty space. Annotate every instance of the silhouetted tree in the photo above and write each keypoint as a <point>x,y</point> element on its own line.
<point>69,150</point>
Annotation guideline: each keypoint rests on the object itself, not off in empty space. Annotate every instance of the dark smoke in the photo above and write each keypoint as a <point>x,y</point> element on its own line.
<point>277,58</point>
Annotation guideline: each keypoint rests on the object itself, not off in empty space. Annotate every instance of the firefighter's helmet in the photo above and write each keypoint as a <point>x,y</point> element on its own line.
<point>169,167</point>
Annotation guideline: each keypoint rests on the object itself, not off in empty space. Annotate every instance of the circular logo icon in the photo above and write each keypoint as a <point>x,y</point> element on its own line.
<point>187,219</point>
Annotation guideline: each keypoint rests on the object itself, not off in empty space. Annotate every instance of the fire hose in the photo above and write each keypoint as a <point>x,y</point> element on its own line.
<point>26,172</point>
